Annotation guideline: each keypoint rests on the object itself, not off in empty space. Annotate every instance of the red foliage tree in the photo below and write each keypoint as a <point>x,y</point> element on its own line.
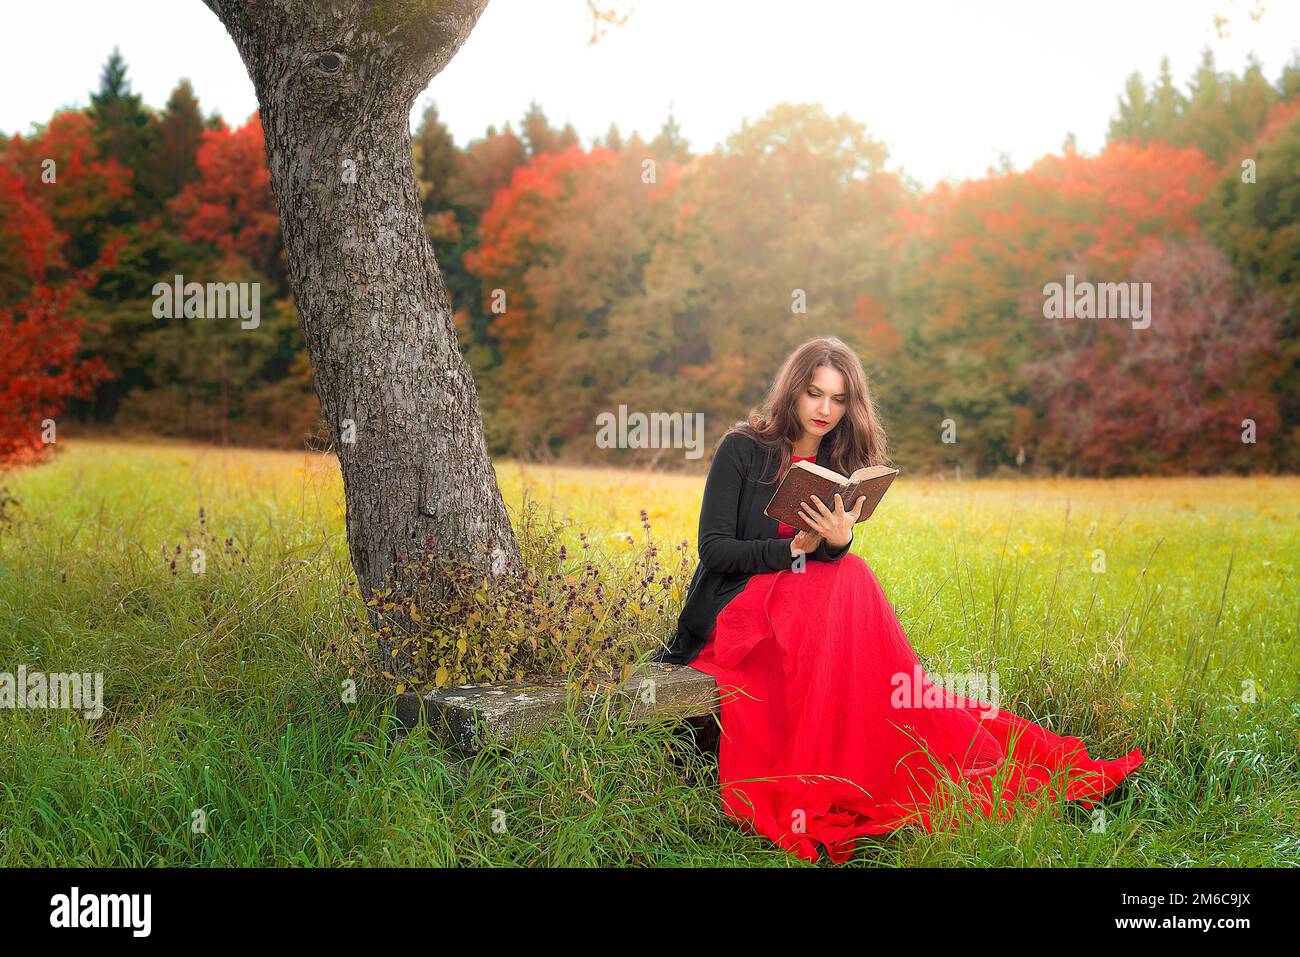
<point>39,366</point>
<point>566,242</point>
<point>231,205</point>
<point>971,283</point>
<point>1172,397</point>
<point>84,192</point>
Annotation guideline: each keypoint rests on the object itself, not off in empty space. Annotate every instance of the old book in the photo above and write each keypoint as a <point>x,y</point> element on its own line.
<point>808,478</point>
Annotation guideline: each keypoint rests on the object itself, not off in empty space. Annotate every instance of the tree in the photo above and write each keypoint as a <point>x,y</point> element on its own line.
<point>88,190</point>
<point>1171,397</point>
<point>39,366</point>
<point>436,163</point>
<point>230,204</point>
<point>486,168</point>
<point>613,138</point>
<point>1221,114</point>
<point>1167,105</point>
<point>1134,118</point>
<point>483,169</point>
<point>686,289</point>
<point>335,84</point>
<point>451,223</point>
<point>670,143</point>
<point>1256,221</point>
<point>180,131</point>
<point>566,243</point>
<point>127,132</point>
<point>968,291</point>
<point>541,137</point>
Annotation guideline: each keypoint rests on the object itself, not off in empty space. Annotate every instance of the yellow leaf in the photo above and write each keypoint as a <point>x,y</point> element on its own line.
<point>440,678</point>
<point>462,646</point>
<point>401,688</point>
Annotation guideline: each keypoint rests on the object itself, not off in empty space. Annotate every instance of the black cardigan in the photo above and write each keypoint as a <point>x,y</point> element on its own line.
<point>736,540</point>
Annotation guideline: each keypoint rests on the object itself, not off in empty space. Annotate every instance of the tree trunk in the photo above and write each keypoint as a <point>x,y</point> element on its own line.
<point>335,82</point>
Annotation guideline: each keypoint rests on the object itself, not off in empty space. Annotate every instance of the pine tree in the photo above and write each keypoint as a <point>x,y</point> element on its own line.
<point>1249,100</point>
<point>1289,83</point>
<point>613,138</point>
<point>1204,121</point>
<point>669,143</point>
<point>1167,105</point>
<point>180,133</point>
<point>126,131</point>
<point>541,137</point>
<point>437,163</point>
<point>1134,117</point>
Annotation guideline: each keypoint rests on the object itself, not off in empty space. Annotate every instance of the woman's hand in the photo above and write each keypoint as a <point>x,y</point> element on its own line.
<point>804,542</point>
<point>835,527</point>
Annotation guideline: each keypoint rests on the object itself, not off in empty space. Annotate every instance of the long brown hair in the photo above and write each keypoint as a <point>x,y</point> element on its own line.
<point>856,441</point>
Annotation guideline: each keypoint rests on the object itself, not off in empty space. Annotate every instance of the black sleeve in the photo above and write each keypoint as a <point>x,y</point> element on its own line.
<point>824,553</point>
<point>720,550</point>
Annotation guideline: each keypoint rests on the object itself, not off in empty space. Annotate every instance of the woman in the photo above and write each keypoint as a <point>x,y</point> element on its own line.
<point>830,727</point>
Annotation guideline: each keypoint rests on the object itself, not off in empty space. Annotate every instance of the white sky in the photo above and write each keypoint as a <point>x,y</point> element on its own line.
<point>947,86</point>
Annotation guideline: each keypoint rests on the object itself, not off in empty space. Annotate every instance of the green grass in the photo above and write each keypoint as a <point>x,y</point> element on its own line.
<point>220,697</point>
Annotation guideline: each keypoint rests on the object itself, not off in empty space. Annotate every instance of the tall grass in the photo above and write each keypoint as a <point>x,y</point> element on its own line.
<point>227,739</point>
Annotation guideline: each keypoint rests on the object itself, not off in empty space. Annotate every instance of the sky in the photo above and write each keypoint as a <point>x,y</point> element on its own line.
<point>949,87</point>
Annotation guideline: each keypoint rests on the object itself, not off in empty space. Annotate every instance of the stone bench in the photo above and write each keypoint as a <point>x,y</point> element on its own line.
<point>474,714</point>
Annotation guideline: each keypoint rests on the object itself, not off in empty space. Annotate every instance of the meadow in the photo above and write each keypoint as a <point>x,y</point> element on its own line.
<point>1151,613</point>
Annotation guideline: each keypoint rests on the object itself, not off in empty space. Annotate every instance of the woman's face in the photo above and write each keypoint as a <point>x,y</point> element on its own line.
<point>822,404</point>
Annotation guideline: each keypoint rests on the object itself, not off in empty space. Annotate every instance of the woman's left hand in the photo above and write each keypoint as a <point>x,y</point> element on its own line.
<point>836,527</point>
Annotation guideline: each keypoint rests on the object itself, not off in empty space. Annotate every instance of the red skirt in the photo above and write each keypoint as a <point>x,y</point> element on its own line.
<point>831,729</point>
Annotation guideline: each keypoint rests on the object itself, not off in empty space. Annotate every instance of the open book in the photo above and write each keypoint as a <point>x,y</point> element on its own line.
<point>808,478</point>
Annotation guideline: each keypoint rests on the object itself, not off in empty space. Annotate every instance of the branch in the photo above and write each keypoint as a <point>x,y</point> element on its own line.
<point>412,39</point>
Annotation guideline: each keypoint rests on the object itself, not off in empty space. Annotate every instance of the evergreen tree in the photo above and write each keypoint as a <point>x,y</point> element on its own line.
<point>1289,84</point>
<point>1249,100</point>
<point>1204,122</point>
<point>1258,225</point>
<point>541,137</point>
<point>1167,105</point>
<point>613,138</point>
<point>669,143</point>
<point>126,131</point>
<point>1134,117</point>
<point>180,133</point>
<point>438,160</point>
<point>1219,115</point>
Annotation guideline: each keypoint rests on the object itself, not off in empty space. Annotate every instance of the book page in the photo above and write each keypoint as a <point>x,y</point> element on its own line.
<point>870,471</point>
<point>824,472</point>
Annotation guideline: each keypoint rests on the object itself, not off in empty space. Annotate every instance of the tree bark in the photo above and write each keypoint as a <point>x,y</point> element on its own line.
<point>335,82</point>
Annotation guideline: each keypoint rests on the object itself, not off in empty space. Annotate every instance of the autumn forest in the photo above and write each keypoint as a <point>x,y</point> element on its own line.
<point>645,274</point>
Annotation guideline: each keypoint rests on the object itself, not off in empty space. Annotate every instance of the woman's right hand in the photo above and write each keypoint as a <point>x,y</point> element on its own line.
<point>804,542</point>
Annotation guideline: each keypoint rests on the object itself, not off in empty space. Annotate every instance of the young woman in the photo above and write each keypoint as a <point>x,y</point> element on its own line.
<point>830,727</point>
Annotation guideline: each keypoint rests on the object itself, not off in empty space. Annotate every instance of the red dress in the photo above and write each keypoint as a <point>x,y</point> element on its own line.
<point>831,729</point>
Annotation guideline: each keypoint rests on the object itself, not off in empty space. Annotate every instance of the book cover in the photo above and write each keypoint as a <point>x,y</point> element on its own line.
<point>808,478</point>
